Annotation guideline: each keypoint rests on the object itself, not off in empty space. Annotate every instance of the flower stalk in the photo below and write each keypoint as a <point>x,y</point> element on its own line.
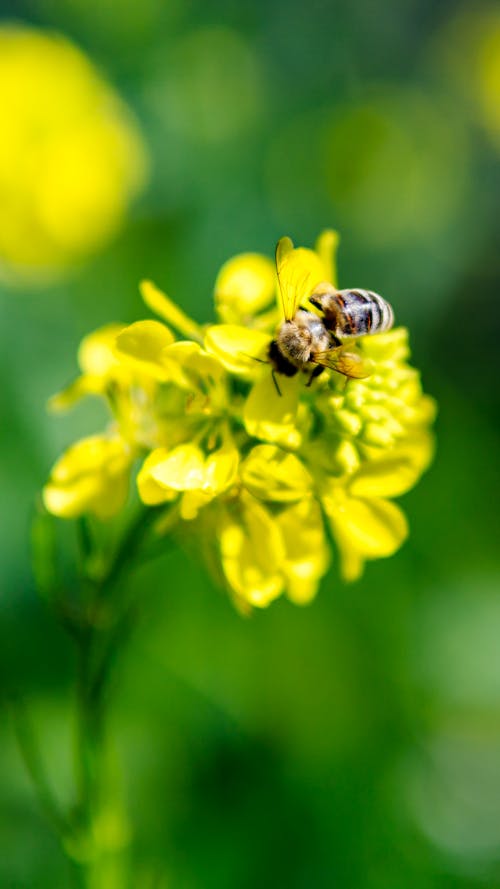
<point>95,834</point>
<point>102,837</point>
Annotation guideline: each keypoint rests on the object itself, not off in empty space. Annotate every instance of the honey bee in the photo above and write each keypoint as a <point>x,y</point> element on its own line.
<point>309,342</point>
<point>353,312</point>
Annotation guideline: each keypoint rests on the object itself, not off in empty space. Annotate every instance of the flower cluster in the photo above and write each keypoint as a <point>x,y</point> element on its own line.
<point>267,470</point>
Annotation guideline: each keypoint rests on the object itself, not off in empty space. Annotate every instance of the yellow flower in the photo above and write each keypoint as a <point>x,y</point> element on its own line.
<point>307,555</point>
<point>244,290</point>
<point>265,552</point>
<point>130,387</point>
<point>71,156</point>
<point>273,474</point>
<point>252,552</point>
<point>91,476</point>
<point>282,481</point>
<point>99,365</point>
<point>263,469</point>
<point>191,470</point>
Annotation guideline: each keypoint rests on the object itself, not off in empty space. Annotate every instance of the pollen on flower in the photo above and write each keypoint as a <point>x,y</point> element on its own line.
<point>264,468</point>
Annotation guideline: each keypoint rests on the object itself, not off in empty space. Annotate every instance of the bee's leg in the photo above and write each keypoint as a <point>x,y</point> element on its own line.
<point>275,381</point>
<point>315,373</point>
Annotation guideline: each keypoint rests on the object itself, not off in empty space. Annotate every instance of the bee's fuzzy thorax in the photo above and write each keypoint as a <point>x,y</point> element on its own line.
<point>299,338</point>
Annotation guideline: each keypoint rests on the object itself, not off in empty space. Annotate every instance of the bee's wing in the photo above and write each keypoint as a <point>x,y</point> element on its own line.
<point>284,270</point>
<point>348,363</point>
<point>299,272</point>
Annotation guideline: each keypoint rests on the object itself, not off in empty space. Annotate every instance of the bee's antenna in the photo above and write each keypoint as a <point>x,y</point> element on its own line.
<point>254,358</point>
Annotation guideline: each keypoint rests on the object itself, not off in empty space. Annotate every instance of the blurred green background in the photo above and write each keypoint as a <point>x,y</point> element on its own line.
<point>356,742</point>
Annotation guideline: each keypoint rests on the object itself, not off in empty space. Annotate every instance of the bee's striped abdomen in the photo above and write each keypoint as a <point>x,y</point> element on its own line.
<point>362,312</point>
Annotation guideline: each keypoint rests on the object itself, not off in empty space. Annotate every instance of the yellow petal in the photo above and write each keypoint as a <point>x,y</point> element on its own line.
<point>91,476</point>
<point>185,468</point>
<point>395,472</point>
<point>239,349</point>
<point>365,529</point>
<point>252,552</point>
<point>142,344</point>
<point>71,501</point>
<point>221,468</point>
<point>86,384</point>
<point>190,366</point>
<point>150,490</point>
<point>181,469</point>
<point>307,555</point>
<point>192,502</point>
<point>272,474</point>
<point>376,526</point>
<point>326,248</point>
<point>161,305</point>
<point>245,285</point>
<point>271,416</point>
<point>351,562</point>
<point>96,354</point>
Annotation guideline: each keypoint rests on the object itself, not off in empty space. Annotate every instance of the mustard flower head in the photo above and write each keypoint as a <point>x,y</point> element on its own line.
<point>71,156</point>
<point>273,468</point>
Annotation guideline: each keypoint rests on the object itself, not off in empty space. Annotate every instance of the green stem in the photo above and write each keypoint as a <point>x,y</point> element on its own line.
<point>103,837</point>
<point>104,822</point>
<point>96,837</point>
<point>104,828</point>
<point>131,543</point>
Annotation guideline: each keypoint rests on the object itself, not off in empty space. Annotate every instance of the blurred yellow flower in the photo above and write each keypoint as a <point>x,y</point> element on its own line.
<point>71,155</point>
<point>266,472</point>
<point>91,476</point>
